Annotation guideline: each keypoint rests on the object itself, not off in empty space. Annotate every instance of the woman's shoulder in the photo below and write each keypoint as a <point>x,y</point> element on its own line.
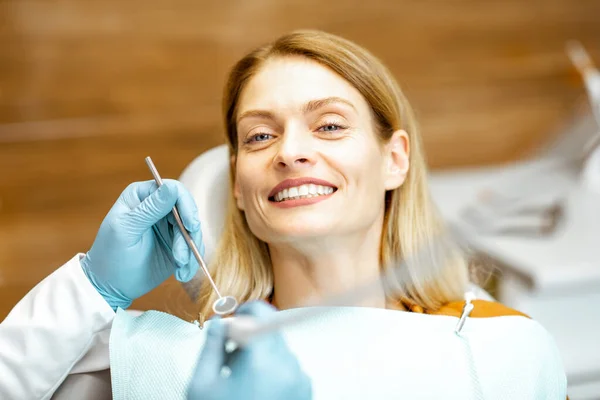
<point>481,309</point>
<point>544,360</point>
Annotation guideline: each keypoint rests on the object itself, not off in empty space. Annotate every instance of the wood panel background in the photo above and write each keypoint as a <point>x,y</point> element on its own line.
<point>88,88</point>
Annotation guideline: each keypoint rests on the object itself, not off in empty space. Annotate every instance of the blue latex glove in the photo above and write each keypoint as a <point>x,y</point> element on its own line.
<point>139,244</point>
<point>264,369</point>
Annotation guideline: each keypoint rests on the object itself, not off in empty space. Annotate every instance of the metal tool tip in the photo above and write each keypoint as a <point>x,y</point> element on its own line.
<point>578,55</point>
<point>150,164</point>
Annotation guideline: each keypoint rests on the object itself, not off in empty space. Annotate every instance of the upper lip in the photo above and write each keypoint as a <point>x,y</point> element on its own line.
<point>288,183</point>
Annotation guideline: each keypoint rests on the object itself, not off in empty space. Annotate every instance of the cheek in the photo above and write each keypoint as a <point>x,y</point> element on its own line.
<point>248,182</point>
<point>245,185</point>
<point>364,165</point>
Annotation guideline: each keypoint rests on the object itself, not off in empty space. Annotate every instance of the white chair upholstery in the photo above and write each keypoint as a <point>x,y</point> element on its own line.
<point>207,178</point>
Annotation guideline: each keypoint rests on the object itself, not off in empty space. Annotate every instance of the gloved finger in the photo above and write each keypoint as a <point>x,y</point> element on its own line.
<point>196,224</point>
<point>136,193</point>
<point>159,204</point>
<point>262,311</point>
<point>212,357</point>
<point>151,210</point>
<point>181,250</point>
<point>171,219</point>
<point>188,211</point>
<point>258,354</point>
<point>163,233</point>
<point>186,264</point>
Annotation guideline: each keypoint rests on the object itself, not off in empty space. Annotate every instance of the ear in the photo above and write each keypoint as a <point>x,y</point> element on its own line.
<point>237,194</point>
<point>397,152</point>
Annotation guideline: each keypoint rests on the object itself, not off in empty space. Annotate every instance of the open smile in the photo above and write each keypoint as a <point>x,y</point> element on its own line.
<point>302,191</point>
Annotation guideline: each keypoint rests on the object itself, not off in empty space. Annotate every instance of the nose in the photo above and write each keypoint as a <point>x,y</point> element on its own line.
<point>295,150</point>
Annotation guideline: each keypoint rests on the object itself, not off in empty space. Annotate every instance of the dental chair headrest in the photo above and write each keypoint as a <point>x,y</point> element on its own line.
<point>207,179</point>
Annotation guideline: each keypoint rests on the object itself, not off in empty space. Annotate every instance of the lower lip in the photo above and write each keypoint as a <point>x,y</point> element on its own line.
<point>301,202</point>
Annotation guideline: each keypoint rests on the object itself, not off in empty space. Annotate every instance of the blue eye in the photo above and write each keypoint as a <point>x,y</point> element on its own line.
<point>259,137</point>
<point>330,128</point>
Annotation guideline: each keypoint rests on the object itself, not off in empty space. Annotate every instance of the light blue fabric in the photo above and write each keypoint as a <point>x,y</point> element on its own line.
<point>359,353</point>
<point>139,245</point>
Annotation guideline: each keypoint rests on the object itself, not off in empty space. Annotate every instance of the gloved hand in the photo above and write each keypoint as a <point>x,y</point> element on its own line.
<point>139,244</point>
<point>264,369</point>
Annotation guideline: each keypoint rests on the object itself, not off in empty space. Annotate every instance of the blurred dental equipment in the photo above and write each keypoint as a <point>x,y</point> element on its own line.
<point>241,329</point>
<point>224,304</point>
<point>533,203</point>
<point>591,78</point>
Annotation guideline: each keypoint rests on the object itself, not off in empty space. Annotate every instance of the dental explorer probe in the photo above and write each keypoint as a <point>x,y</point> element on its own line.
<point>224,304</point>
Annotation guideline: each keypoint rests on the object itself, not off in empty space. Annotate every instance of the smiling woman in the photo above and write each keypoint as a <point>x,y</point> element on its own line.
<point>328,187</point>
<point>328,179</point>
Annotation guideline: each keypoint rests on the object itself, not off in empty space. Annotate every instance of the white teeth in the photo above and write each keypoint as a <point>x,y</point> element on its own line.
<point>303,191</point>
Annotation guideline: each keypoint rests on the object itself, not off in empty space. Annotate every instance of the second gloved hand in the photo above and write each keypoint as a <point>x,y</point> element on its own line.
<point>264,369</point>
<point>139,244</point>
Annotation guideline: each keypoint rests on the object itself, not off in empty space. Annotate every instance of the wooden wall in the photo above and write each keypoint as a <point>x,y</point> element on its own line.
<point>88,88</point>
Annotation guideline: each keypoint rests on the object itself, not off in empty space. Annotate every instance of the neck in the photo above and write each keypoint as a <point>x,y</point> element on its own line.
<point>311,270</point>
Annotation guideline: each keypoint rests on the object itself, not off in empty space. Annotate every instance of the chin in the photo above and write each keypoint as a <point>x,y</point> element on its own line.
<point>291,232</point>
<point>284,231</point>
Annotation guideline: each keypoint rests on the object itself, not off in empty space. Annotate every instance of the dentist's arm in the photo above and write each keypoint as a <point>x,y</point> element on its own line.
<point>61,326</point>
<point>49,331</point>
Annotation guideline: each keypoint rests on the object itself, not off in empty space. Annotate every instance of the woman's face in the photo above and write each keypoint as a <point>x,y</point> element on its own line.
<point>309,163</point>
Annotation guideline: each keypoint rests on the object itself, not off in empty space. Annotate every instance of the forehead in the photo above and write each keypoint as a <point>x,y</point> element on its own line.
<point>290,82</point>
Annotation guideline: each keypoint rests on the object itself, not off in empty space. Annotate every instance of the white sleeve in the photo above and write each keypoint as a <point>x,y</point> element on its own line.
<point>60,327</point>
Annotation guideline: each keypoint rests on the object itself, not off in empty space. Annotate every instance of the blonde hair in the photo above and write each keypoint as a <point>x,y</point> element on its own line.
<point>241,264</point>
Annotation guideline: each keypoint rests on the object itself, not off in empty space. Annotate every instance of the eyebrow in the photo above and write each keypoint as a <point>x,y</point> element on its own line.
<point>311,106</point>
<point>314,105</point>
